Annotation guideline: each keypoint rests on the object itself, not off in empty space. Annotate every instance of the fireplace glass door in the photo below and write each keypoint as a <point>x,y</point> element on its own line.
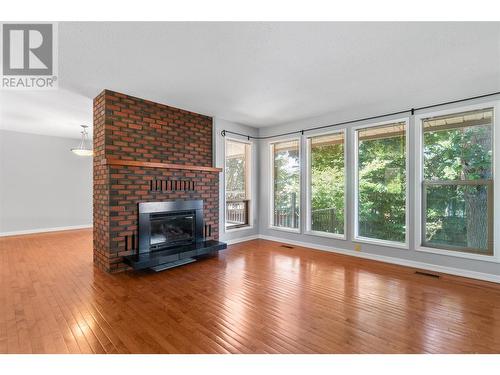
<point>172,229</point>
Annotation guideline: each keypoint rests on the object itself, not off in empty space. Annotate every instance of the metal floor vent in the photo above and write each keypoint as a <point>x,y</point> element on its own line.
<point>287,246</point>
<point>427,274</point>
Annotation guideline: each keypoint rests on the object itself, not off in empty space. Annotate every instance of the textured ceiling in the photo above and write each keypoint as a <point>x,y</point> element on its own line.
<point>260,74</point>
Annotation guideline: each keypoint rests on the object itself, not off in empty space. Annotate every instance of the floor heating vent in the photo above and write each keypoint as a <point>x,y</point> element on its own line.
<point>287,246</point>
<point>427,274</point>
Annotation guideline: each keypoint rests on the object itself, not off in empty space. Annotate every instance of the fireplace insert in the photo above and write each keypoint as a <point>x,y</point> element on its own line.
<point>171,229</point>
<point>164,225</point>
<point>171,235</point>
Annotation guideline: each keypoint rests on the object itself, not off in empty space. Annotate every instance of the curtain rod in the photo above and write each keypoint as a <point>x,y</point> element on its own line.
<point>411,111</point>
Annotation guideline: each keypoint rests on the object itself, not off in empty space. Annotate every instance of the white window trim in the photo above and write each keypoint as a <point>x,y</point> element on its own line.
<point>355,236</point>
<point>250,174</point>
<point>238,229</point>
<point>419,178</point>
<point>307,168</point>
<point>271,186</point>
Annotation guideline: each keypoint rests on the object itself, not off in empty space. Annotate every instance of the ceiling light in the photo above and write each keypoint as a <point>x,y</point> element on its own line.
<point>84,148</point>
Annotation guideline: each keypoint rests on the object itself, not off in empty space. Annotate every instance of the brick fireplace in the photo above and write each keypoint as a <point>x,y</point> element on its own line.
<point>146,152</point>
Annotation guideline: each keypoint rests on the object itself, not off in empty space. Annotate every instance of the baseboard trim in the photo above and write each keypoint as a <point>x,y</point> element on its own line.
<point>391,260</point>
<point>44,230</point>
<point>243,239</point>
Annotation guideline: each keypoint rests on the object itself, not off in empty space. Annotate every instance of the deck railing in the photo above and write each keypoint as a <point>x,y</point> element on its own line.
<point>287,217</point>
<point>237,214</point>
<point>324,220</point>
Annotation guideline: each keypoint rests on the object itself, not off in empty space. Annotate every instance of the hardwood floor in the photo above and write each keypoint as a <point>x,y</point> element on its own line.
<point>255,297</point>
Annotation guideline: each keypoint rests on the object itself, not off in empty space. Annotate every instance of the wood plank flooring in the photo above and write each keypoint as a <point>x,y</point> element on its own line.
<point>255,297</point>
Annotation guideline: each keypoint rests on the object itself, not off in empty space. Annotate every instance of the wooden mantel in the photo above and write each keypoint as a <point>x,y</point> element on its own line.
<point>148,164</point>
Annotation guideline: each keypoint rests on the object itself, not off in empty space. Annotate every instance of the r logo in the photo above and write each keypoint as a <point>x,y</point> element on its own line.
<point>27,49</point>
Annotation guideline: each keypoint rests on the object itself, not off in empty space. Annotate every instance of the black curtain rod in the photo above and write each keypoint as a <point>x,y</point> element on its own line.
<point>411,111</point>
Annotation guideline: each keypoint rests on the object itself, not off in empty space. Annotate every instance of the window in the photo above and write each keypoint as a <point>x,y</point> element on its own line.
<point>457,184</point>
<point>286,184</point>
<point>237,174</point>
<point>381,183</point>
<point>326,184</point>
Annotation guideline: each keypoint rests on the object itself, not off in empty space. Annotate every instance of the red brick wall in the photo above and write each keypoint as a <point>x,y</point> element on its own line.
<point>101,188</point>
<point>129,128</point>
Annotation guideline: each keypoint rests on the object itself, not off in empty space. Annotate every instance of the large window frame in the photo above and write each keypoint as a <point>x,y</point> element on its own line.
<point>248,186</point>
<point>308,170</point>
<point>271,185</point>
<point>419,182</point>
<point>355,147</point>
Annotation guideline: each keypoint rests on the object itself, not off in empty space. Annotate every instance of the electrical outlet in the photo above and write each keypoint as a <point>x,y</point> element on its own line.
<point>357,247</point>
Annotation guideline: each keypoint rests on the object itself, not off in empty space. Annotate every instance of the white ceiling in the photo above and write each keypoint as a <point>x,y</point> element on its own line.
<point>260,74</point>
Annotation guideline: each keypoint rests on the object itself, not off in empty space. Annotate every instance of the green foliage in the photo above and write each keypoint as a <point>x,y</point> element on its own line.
<point>286,180</point>
<point>456,215</point>
<point>235,178</point>
<point>458,154</point>
<point>327,188</point>
<point>382,188</point>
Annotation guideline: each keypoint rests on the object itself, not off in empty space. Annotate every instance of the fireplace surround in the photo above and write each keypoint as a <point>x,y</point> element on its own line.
<point>149,153</point>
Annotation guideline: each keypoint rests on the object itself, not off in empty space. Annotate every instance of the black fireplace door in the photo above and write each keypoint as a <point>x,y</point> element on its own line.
<point>164,225</point>
<point>172,229</point>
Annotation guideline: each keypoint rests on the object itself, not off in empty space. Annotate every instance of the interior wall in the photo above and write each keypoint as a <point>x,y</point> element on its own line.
<point>235,235</point>
<point>44,186</point>
<point>489,270</point>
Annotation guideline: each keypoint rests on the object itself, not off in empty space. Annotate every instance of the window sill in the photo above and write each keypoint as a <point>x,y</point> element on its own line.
<point>458,254</point>
<point>237,229</point>
<point>370,241</point>
<point>325,234</point>
<point>285,229</point>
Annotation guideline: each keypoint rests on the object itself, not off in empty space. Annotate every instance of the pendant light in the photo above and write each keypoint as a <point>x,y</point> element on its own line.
<point>84,148</point>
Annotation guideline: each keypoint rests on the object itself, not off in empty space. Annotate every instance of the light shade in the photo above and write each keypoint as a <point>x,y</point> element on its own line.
<point>84,148</point>
<point>82,152</point>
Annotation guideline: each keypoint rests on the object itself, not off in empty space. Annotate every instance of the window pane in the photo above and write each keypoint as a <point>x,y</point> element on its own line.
<point>457,216</point>
<point>327,183</point>
<point>382,182</point>
<point>286,184</point>
<point>237,183</point>
<point>458,148</point>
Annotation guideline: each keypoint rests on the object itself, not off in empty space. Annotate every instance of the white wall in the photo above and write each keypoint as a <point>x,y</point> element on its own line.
<point>488,270</point>
<point>43,185</point>
<point>234,235</point>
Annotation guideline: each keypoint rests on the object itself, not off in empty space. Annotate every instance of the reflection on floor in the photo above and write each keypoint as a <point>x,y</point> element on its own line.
<point>255,297</point>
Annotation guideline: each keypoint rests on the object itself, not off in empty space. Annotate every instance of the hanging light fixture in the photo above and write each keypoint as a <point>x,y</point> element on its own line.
<point>84,148</point>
